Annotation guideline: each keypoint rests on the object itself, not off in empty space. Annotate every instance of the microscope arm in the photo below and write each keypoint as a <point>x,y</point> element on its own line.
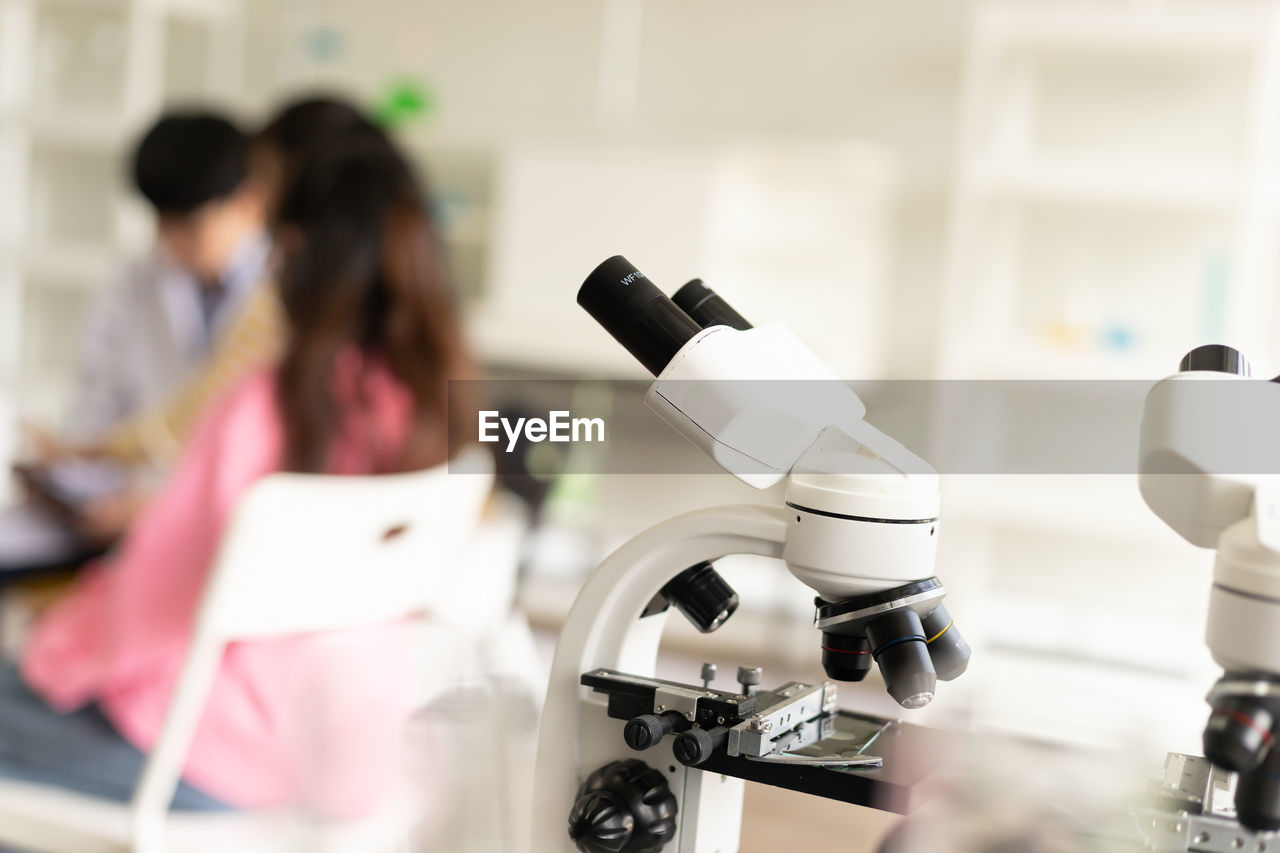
<point>604,630</point>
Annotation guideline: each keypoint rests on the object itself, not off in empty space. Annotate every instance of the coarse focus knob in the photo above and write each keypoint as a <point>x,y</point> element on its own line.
<point>1215,358</point>
<point>624,807</point>
<point>702,596</point>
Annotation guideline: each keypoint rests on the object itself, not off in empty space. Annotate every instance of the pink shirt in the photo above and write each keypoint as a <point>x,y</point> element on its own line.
<point>313,718</point>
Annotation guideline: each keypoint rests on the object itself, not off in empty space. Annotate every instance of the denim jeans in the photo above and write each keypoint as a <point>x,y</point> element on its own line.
<point>81,751</point>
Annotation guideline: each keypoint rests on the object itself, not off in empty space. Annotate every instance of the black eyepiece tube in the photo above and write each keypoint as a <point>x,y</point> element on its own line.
<point>638,315</point>
<point>708,308</point>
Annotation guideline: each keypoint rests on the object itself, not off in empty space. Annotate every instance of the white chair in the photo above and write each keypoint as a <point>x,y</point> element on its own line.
<point>302,553</point>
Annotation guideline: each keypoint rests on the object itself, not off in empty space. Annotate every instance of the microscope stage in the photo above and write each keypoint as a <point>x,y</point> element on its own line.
<point>892,787</point>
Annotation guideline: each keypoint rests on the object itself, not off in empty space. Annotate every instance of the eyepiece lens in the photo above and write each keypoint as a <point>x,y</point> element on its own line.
<point>708,308</point>
<point>638,315</point>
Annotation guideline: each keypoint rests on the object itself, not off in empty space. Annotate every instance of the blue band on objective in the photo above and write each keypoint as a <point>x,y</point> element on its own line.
<point>910,639</point>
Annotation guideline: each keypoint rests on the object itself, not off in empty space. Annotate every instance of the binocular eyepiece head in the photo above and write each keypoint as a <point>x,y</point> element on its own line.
<point>906,631</point>
<point>649,324</point>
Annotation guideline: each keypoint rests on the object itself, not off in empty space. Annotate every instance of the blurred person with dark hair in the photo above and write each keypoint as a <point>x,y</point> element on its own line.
<point>296,135</point>
<point>300,131</point>
<point>193,170</point>
<point>361,388</point>
<point>152,436</point>
<point>149,333</point>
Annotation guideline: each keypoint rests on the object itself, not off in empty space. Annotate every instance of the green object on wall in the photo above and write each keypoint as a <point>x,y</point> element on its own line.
<point>402,103</point>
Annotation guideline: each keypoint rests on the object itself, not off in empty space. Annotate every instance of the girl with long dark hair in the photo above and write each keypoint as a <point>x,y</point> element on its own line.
<point>362,388</point>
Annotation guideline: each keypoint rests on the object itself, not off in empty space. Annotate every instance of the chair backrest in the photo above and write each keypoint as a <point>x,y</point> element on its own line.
<point>307,552</point>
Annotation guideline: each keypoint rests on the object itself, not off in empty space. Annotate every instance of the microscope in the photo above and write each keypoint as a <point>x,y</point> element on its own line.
<point>1208,466</point>
<point>628,763</point>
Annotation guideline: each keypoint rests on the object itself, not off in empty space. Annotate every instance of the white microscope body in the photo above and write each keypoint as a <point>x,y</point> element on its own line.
<point>1208,465</point>
<point>859,526</point>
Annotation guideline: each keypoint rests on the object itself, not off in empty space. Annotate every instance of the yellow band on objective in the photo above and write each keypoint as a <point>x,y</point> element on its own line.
<point>940,633</point>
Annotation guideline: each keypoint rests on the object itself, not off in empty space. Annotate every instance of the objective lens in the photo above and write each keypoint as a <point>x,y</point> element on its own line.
<point>636,313</point>
<point>846,657</point>
<point>947,648</point>
<point>898,646</point>
<point>1238,734</point>
<point>708,308</point>
<point>1258,795</point>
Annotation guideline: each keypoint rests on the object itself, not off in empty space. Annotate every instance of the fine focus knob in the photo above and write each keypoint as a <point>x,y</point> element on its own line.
<point>1215,358</point>
<point>624,807</point>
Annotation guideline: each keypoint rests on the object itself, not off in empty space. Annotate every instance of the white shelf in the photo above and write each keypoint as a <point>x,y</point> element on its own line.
<point>204,10</point>
<point>1030,361</point>
<point>470,228</point>
<point>550,344</point>
<point>43,398</point>
<point>1083,181</point>
<point>209,11</point>
<point>77,133</point>
<point>76,130</point>
<point>1214,251</point>
<point>68,129</point>
<point>1107,507</point>
<point>84,267</point>
<point>1106,26</point>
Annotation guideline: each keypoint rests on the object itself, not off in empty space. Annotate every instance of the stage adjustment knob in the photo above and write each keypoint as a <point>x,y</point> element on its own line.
<point>624,807</point>
<point>696,745</point>
<point>749,677</point>
<point>647,730</point>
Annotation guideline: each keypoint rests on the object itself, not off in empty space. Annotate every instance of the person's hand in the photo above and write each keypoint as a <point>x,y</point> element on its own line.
<point>106,519</point>
<point>44,447</point>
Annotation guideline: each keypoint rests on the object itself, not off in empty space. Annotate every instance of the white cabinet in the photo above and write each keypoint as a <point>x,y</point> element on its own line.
<point>78,81</point>
<point>1114,204</point>
<point>1115,200</point>
<point>792,233</point>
